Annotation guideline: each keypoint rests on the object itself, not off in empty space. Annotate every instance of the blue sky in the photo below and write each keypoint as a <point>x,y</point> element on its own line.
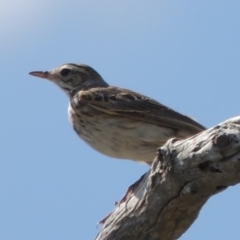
<point>185,54</point>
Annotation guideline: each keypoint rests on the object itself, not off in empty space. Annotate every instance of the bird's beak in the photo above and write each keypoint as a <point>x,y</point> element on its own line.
<point>40,74</point>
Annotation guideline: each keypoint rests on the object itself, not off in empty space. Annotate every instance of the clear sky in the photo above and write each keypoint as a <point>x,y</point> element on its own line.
<point>185,54</point>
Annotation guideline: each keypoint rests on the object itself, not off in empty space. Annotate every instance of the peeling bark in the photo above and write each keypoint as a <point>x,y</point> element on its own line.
<point>185,174</point>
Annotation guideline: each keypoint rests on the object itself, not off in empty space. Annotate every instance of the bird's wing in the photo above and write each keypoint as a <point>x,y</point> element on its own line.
<point>122,102</point>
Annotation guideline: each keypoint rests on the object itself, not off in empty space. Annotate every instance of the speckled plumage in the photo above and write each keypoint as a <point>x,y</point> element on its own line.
<point>115,121</point>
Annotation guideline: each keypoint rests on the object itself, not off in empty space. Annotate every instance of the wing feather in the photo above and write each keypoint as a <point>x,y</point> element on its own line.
<point>125,103</point>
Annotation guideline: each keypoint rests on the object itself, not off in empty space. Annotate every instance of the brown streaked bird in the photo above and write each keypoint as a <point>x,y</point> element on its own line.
<point>114,121</point>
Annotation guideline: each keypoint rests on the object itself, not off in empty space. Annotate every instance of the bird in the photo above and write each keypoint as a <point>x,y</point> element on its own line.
<point>114,121</point>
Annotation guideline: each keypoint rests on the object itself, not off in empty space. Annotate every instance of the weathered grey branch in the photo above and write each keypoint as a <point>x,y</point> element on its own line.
<point>185,174</point>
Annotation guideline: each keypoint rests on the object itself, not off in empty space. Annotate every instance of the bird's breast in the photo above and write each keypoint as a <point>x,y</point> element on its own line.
<point>116,136</point>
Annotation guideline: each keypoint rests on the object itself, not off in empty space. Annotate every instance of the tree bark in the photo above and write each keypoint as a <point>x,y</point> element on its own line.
<point>184,175</point>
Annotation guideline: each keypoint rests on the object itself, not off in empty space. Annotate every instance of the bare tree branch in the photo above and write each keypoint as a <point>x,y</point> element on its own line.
<point>184,175</point>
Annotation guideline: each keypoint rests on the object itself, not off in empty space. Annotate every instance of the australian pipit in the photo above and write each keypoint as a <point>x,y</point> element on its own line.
<point>114,121</point>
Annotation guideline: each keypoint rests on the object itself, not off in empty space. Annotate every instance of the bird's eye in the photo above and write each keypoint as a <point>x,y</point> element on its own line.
<point>65,71</point>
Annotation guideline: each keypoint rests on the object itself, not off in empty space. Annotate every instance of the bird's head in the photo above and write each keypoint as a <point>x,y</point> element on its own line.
<point>72,78</point>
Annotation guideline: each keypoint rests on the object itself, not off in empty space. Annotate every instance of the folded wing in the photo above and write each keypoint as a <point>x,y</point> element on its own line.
<point>118,101</point>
